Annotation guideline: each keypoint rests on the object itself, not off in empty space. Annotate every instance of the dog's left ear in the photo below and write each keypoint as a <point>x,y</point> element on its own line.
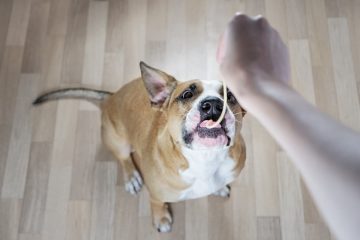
<point>158,84</point>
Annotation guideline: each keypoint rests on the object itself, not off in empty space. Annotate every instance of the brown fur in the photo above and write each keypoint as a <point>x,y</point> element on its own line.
<point>148,139</point>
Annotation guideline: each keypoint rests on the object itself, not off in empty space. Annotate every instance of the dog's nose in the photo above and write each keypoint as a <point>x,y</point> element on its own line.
<point>211,108</point>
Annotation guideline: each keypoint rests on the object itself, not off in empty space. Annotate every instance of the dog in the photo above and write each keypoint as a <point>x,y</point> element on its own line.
<point>156,126</point>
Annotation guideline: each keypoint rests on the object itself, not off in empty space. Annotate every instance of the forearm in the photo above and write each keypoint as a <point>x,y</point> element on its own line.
<point>326,153</point>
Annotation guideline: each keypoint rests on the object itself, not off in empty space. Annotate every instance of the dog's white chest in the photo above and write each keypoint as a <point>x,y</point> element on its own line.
<point>208,172</point>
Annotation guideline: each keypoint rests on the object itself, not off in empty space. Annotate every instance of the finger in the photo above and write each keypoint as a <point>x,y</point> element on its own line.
<point>262,22</point>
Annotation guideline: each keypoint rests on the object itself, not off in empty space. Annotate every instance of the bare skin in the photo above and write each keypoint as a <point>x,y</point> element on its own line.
<point>255,65</point>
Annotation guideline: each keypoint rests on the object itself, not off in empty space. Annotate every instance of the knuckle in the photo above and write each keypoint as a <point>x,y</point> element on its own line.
<point>262,22</point>
<point>239,18</point>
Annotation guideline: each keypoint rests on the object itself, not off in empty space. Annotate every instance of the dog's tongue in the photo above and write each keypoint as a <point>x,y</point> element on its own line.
<point>211,141</point>
<point>208,123</point>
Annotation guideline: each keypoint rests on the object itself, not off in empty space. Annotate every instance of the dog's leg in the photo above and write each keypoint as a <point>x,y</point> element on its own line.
<point>121,149</point>
<point>161,215</point>
<point>223,192</point>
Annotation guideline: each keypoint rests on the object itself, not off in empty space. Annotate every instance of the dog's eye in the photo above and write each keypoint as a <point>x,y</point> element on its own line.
<point>187,94</point>
<point>231,98</point>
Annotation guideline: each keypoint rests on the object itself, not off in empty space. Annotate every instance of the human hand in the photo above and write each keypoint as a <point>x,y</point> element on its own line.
<point>251,54</point>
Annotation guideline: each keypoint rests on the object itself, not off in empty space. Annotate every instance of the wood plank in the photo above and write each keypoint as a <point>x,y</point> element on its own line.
<point>291,202</point>
<point>301,70</point>
<point>318,35</point>
<point>113,76</point>
<point>268,228</point>
<point>332,8</point>
<point>18,23</point>
<point>86,145</point>
<point>94,48</point>
<point>346,88</point>
<point>10,215</point>
<point>134,43</point>
<point>145,229</point>
<point>78,220</point>
<point>19,148</point>
<point>254,8</point>
<point>126,215</point>
<point>28,236</point>
<point>176,39</point>
<point>315,228</point>
<point>353,18</point>
<point>297,28</point>
<point>35,37</point>
<point>266,183</point>
<point>5,13</point>
<point>75,43</point>
<point>323,76</point>
<point>243,190</point>
<point>58,20</point>
<point>5,134</point>
<point>156,25</point>
<point>244,210</point>
<point>197,219</point>
<point>317,232</point>
<point>45,114</point>
<point>9,81</point>
<point>116,25</point>
<point>32,214</point>
<point>58,191</point>
<point>95,44</point>
<point>103,204</point>
<point>220,211</point>
<point>196,67</point>
<point>276,13</point>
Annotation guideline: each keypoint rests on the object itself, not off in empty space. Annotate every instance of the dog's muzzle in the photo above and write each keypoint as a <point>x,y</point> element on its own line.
<point>207,113</point>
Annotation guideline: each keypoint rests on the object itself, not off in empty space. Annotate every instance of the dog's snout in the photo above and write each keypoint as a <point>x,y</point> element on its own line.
<point>211,107</point>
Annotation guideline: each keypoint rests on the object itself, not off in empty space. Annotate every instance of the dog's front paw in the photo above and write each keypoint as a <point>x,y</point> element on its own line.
<point>164,225</point>
<point>161,214</point>
<point>223,192</point>
<point>134,184</point>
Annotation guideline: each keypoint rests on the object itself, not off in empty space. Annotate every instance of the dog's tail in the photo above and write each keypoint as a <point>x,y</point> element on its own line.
<point>73,93</point>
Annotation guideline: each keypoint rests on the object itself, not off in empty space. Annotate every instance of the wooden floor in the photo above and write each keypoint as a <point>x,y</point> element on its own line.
<point>56,179</point>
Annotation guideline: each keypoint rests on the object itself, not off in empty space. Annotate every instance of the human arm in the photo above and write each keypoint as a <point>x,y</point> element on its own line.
<point>255,66</point>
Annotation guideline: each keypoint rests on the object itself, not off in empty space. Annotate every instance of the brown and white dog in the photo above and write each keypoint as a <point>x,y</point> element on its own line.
<point>156,127</point>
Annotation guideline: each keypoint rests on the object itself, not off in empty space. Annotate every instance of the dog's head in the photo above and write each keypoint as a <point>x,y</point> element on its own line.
<point>189,106</point>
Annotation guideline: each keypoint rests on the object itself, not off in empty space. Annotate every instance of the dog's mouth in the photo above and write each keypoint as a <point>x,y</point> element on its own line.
<point>209,137</point>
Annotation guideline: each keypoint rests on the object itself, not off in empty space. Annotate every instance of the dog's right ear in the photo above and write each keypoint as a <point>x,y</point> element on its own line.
<point>158,84</point>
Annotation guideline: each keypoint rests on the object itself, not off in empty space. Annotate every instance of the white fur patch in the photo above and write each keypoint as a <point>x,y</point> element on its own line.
<point>211,89</point>
<point>209,171</point>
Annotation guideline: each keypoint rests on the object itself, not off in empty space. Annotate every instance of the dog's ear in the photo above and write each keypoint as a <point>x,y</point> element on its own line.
<point>158,84</point>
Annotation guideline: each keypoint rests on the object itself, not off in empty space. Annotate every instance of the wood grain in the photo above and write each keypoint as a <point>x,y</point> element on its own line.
<point>345,82</point>
<point>20,140</point>
<point>291,202</point>
<point>56,179</point>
